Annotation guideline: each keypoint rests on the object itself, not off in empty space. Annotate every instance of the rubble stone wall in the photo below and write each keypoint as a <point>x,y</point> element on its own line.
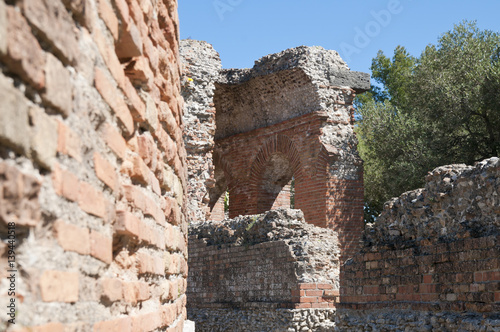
<point>92,166</point>
<point>432,257</point>
<point>258,265</point>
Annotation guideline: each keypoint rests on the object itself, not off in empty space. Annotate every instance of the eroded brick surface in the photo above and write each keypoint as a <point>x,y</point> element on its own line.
<point>91,234</point>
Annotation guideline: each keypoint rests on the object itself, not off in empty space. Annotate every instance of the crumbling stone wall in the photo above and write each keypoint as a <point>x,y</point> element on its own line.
<point>92,166</point>
<point>272,268</point>
<point>202,65</point>
<point>432,257</point>
<point>291,115</point>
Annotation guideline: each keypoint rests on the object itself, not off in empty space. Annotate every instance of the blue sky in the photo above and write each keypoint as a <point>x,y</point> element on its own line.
<point>242,31</point>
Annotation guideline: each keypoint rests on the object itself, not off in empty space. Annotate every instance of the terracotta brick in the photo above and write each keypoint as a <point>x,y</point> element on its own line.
<point>146,322</point>
<point>168,314</point>
<point>72,238</point>
<point>58,91</point>
<point>25,57</point>
<point>105,171</point>
<point>112,289</point>
<point>68,142</point>
<point>134,102</point>
<point>109,54</point>
<point>50,327</point>
<point>111,95</point>
<point>142,291</point>
<point>59,286</point>
<point>65,183</point>
<point>101,247</point>
<point>128,224</point>
<point>114,140</point>
<point>137,169</point>
<point>91,200</point>
<point>109,17</point>
<point>129,293</point>
<point>123,324</point>
<point>56,25</point>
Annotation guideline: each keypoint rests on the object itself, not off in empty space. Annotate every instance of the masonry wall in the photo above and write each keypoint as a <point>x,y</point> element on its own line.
<point>92,166</point>
<point>432,258</point>
<point>253,265</point>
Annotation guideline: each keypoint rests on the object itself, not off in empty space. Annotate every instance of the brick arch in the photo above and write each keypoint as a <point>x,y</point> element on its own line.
<point>276,145</point>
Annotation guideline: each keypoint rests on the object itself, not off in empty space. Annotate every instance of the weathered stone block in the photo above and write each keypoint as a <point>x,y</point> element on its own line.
<point>55,25</point>
<point>130,43</point>
<point>58,89</point>
<point>43,137</point>
<point>14,126</point>
<point>25,57</point>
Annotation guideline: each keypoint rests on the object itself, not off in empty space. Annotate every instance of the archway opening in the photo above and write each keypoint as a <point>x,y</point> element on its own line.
<point>276,182</point>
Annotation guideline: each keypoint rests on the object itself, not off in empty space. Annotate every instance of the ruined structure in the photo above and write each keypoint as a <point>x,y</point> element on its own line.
<point>431,262</point>
<point>92,167</point>
<point>102,167</point>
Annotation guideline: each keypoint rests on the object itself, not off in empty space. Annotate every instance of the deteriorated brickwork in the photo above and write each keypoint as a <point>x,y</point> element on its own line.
<point>291,115</point>
<point>434,254</point>
<point>92,165</point>
<point>252,264</point>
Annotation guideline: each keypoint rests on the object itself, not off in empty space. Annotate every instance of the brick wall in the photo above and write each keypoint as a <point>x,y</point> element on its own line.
<point>463,275</point>
<point>259,261</point>
<point>92,165</point>
<point>432,258</point>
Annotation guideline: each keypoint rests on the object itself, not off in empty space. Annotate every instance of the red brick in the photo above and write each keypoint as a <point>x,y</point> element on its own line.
<point>302,305</point>
<point>478,276</point>
<point>111,95</point>
<point>497,296</point>
<point>168,314</point>
<point>50,327</point>
<point>68,142</point>
<point>59,286</point>
<point>24,57</point>
<point>112,289</point>
<point>307,286</point>
<point>137,170</point>
<point>114,140</point>
<point>91,200</point>
<point>331,293</point>
<point>123,324</point>
<point>105,171</point>
<point>146,322</point>
<point>314,293</point>
<point>427,279</point>
<point>65,183</point>
<point>108,16</point>
<point>56,26</point>
<point>128,224</point>
<point>134,102</point>
<point>101,247</point>
<point>72,238</point>
<point>108,52</point>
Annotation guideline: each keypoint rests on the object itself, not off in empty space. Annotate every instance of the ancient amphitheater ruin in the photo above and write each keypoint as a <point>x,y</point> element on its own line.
<point>120,144</point>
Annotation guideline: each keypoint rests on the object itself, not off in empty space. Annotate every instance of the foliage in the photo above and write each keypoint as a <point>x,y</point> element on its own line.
<point>441,108</point>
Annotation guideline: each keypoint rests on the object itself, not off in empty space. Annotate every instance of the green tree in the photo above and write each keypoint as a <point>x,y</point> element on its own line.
<point>441,108</point>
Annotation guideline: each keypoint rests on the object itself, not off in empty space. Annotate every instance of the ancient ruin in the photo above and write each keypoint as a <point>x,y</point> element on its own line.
<point>431,262</point>
<point>121,147</point>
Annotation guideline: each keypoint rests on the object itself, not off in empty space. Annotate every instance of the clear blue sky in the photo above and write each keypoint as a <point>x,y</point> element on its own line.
<point>242,31</point>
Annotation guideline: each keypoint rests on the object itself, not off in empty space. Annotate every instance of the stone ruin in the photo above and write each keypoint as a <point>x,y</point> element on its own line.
<point>116,138</point>
<point>431,262</point>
